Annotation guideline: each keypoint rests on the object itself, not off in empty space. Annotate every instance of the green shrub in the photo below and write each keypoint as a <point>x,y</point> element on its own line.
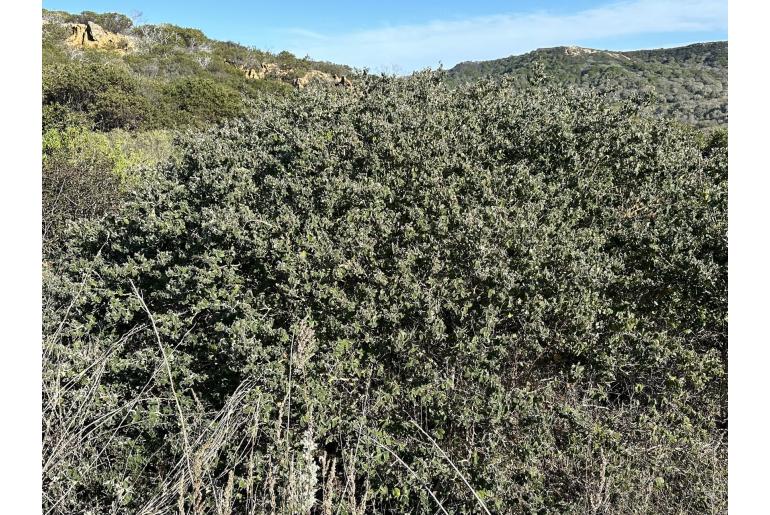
<point>235,52</point>
<point>56,17</point>
<point>356,291</point>
<point>199,101</point>
<point>54,34</point>
<point>57,116</point>
<point>113,22</point>
<point>116,109</point>
<point>108,95</point>
<point>187,37</point>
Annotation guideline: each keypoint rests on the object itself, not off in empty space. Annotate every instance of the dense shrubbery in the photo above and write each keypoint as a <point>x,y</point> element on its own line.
<point>200,102</point>
<point>109,97</point>
<point>374,300</point>
<point>90,97</point>
<point>113,22</point>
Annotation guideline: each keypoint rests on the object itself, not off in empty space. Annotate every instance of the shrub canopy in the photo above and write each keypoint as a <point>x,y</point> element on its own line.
<point>535,277</point>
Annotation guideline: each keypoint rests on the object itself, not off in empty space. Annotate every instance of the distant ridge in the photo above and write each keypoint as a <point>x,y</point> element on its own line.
<point>691,80</point>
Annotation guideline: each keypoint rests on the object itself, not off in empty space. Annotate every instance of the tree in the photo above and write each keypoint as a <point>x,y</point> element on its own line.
<point>113,22</point>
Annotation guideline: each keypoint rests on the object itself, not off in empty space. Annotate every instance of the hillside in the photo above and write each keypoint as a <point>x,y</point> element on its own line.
<point>101,71</point>
<point>690,81</point>
<point>115,96</point>
<point>164,76</point>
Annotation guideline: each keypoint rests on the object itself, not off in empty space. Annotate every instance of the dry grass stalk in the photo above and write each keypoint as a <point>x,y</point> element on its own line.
<point>182,423</point>
<point>457,471</point>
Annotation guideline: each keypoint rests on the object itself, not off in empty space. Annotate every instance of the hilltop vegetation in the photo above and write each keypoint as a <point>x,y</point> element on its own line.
<point>171,77</point>
<point>690,83</point>
<point>111,109</point>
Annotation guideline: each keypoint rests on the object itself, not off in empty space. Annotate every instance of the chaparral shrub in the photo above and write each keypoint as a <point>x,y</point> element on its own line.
<point>109,96</point>
<point>113,22</point>
<point>400,298</point>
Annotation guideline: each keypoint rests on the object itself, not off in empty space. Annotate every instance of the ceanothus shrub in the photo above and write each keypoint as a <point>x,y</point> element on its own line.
<point>535,277</point>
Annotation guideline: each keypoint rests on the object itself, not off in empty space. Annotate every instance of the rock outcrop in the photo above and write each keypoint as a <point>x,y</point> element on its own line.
<point>92,35</point>
<point>315,76</point>
<point>264,70</point>
<point>578,51</point>
<point>274,71</point>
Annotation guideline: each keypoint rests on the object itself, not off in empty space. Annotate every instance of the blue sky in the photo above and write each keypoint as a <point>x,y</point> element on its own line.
<point>400,36</point>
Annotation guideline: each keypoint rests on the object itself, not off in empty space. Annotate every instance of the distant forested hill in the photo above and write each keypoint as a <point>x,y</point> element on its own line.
<point>690,81</point>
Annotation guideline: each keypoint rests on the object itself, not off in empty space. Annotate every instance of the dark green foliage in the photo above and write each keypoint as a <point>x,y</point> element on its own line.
<point>57,116</point>
<point>536,277</point>
<point>108,96</point>
<point>53,35</point>
<point>79,85</point>
<point>235,52</point>
<point>115,109</point>
<point>199,101</point>
<point>113,22</point>
<point>690,82</point>
<point>186,37</point>
<point>59,17</point>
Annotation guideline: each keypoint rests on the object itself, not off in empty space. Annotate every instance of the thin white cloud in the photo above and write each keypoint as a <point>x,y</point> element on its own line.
<point>408,47</point>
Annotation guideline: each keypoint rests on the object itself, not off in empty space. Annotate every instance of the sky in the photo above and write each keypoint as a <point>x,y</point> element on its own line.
<point>400,36</point>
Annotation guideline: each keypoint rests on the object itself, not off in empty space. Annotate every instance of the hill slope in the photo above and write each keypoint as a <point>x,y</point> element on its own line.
<point>100,70</point>
<point>690,81</point>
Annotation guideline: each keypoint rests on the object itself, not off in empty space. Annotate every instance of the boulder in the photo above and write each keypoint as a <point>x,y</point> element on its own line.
<point>271,70</point>
<point>92,35</point>
<point>79,36</point>
<point>319,77</point>
<point>97,33</point>
<point>274,71</point>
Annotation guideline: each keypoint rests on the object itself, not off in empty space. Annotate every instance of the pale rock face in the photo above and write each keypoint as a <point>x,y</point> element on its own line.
<point>92,35</point>
<point>576,50</point>
<point>79,35</point>
<point>319,77</point>
<point>274,71</point>
<point>96,32</point>
<point>264,70</point>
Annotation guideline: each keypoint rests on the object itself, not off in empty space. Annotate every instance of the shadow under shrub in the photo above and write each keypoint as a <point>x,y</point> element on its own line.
<point>535,278</point>
<point>86,174</point>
